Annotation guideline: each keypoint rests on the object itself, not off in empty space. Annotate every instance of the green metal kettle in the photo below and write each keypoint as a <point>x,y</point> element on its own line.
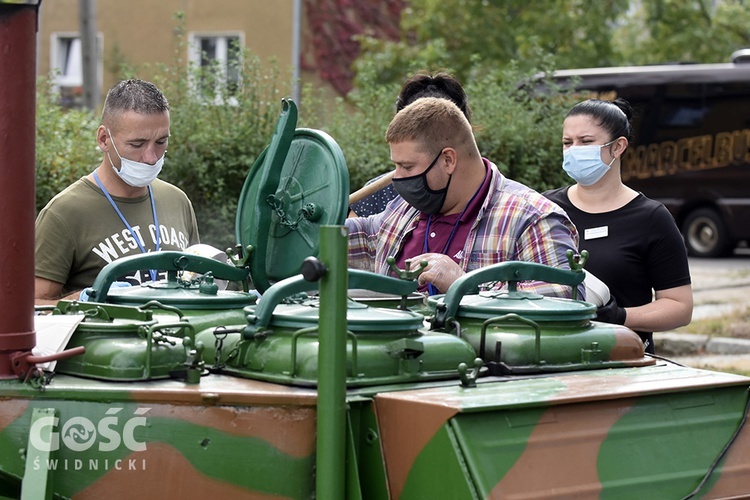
<point>516,332</point>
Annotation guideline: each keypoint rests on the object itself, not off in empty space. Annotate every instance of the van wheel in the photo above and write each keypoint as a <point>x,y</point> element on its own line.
<point>705,234</point>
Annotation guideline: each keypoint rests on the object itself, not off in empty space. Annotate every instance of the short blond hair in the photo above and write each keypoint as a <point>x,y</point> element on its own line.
<point>434,123</point>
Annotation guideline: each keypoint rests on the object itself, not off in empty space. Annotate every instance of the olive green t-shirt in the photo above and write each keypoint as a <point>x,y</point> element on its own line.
<point>79,231</point>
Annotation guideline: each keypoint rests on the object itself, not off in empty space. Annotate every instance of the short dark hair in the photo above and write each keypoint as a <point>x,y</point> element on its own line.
<point>134,95</point>
<point>441,84</point>
<point>613,116</point>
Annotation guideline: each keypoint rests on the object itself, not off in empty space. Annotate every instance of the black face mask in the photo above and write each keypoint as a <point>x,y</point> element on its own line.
<point>417,192</point>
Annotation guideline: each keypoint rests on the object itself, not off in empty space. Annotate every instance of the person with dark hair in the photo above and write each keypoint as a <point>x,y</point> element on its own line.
<point>422,84</point>
<point>455,210</point>
<point>441,84</point>
<point>121,208</point>
<point>634,245</point>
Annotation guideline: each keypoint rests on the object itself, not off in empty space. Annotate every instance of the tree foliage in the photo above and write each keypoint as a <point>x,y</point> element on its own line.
<point>494,45</point>
<point>65,151</point>
<point>470,36</point>
<point>689,31</point>
<point>492,33</point>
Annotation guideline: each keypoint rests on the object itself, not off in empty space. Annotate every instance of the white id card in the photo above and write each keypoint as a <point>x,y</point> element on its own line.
<point>594,233</point>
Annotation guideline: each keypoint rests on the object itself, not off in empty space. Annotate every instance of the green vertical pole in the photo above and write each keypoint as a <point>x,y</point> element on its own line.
<point>331,438</point>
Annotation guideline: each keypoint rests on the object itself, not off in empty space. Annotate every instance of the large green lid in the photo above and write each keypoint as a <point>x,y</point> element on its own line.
<point>297,289</point>
<point>359,317</point>
<point>531,306</point>
<point>462,299</point>
<point>202,294</point>
<point>182,295</point>
<point>298,183</point>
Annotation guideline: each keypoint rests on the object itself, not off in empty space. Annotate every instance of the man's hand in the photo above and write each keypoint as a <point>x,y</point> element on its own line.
<point>441,270</point>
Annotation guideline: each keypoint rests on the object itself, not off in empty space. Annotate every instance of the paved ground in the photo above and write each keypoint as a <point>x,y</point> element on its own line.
<point>720,287</point>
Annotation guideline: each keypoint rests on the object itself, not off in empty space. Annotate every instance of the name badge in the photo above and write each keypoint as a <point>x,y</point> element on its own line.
<point>596,232</point>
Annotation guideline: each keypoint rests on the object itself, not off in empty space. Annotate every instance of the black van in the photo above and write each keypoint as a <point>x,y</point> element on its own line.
<point>691,149</point>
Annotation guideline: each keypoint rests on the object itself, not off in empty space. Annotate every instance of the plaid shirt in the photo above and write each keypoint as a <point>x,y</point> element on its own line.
<point>514,223</point>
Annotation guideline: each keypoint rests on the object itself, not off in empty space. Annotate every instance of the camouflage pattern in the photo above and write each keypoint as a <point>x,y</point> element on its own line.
<point>165,439</point>
<point>653,431</point>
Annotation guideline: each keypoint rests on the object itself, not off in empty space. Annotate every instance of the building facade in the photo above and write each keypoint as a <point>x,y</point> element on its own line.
<point>142,34</point>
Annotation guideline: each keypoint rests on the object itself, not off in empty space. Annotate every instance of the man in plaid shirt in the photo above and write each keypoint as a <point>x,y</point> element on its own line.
<point>456,210</point>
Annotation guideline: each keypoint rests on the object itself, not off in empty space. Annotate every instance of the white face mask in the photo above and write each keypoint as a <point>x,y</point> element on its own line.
<point>135,173</point>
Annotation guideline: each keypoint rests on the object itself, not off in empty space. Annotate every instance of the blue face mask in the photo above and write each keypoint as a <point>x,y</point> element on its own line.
<point>584,164</point>
<point>417,192</point>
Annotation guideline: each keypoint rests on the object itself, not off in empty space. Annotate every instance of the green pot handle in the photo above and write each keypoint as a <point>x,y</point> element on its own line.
<point>170,261</point>
<point>509,272</point>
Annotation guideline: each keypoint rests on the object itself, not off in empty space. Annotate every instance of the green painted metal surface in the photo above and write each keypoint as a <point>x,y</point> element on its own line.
<point>517,332</point>
<point>550,436</point>
<point>453,481</point>
<point>365,446</point>
<point>331,418</point>
<point>624,430</point>
<point>684,434</point>
<point>291,357</point>
<point>123,343</point>
<point>511,273</point>
<point>119,442</point>
<point>298,184</point>
<point>172,289</point>
<point>661,446</point>
<point>285,291</point>
<point>521,344</point>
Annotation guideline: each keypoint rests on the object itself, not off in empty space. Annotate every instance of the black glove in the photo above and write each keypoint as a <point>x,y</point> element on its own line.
<point>611,313</point>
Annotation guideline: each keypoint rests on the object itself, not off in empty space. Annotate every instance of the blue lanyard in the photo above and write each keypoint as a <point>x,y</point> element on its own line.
<point>426,246</point>
<point>124,221</point>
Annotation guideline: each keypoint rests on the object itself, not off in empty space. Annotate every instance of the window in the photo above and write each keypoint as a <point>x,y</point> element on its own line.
<point>66,63</point>
<point>218,60</point>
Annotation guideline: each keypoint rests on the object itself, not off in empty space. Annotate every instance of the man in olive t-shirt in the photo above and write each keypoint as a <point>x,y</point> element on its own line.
<point>114,211</point>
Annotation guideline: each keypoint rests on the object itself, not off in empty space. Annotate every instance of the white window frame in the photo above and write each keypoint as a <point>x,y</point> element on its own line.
<point>222,46</point>
<point>59,79</point>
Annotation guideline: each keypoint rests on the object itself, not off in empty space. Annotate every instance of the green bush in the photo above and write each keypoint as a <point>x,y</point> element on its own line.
<point>518,127</point>
<point>213,146</point>
<point>65,144</point>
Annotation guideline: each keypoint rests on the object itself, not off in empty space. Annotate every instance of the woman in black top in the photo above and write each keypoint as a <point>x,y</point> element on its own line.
<point>633,242</point>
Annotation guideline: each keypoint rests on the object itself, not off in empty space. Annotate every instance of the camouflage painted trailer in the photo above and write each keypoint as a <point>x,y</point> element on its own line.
<point>154,409</point>
<point>656,430</point>
<point>178,390</point>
